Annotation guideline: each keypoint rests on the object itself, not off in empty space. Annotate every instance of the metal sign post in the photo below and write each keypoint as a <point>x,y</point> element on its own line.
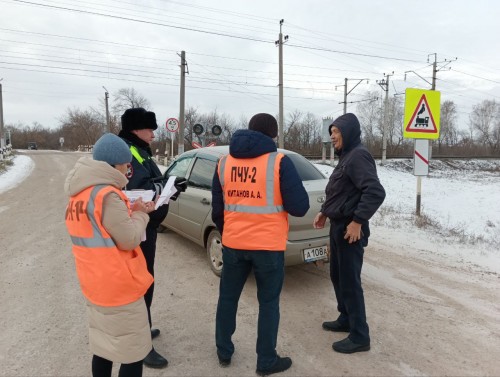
<point>420,166</point>
<point>172,125</point>
<point>421,123</point>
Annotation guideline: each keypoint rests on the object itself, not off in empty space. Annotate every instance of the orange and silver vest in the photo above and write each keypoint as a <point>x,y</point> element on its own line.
<point>254,217</point>
<point>108,276</point>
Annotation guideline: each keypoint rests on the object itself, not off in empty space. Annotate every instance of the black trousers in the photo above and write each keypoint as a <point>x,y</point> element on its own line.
<point>149,250</point>
<point>102,367</point>
<point>346,261</point>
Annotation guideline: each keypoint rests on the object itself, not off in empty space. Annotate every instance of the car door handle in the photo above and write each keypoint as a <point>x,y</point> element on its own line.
<point>205,201</point>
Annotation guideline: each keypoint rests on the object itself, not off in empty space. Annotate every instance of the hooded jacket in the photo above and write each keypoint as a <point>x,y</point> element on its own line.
<point>354,191</point>
<point>251,144</point>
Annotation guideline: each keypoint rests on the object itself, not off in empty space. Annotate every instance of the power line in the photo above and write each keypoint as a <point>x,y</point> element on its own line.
<point>160,49</point>
<point>205,31</point>
<point>351,53</point>
<point>148,82</point>
<point>86,40</point>
<point>80,50</point>
<point>478,77</point>
<point>142,21</point>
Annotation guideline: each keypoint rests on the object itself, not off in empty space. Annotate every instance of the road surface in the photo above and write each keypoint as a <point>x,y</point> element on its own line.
<point>427,318</point>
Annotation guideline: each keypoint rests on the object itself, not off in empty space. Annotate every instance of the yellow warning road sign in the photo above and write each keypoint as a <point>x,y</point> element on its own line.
<point>422,114</point>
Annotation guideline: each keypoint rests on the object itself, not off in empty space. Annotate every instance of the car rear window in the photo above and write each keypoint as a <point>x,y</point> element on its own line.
<point>307,171</point>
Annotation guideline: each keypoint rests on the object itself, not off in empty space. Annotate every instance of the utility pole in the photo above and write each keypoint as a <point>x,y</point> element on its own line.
<point>2,138</point>
<point>279,43</point>
<point>184,70</point>
<point>106,97</point>
<point>384,84</point>
<point>346,93</point>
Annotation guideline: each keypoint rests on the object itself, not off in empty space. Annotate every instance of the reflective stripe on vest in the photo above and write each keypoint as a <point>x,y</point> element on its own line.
<point>270,207</point>
<point>98,240</point>
<point>136,154</point>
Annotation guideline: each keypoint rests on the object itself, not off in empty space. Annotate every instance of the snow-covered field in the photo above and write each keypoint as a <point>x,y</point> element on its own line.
<point>460,209</point>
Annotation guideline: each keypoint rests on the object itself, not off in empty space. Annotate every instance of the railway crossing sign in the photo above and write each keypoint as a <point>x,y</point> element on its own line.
<point>422,114</point>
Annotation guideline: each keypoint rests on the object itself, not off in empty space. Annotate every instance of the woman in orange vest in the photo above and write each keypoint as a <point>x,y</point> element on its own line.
<point>106,232</point>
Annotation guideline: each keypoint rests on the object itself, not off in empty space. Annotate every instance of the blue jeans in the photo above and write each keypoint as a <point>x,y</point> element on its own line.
<point>268,267</point>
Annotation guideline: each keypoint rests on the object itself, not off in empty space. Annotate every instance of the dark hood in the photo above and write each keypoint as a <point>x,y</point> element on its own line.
<point>349,127</point>
<point>250,144</point>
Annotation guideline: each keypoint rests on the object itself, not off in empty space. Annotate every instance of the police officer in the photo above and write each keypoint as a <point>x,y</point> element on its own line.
<point>138,127</point>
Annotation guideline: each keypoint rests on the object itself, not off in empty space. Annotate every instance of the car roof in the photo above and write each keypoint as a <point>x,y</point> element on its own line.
<point>222,150</point>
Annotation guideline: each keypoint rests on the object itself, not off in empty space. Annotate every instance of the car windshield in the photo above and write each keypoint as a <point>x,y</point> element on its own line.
<point>180,167</point>
<point>306,170</point>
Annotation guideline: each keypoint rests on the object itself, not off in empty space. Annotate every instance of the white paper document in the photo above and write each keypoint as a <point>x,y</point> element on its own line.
<point>167,192</point>
<point>146,195</point>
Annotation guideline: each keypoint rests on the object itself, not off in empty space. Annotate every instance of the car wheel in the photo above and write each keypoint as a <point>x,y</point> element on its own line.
<point>214,251</point>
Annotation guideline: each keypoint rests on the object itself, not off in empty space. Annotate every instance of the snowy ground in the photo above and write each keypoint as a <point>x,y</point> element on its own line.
<point>460,209</point>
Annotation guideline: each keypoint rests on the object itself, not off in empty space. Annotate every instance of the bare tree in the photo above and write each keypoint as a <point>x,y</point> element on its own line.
<point>448,134</point>
<point>369,114</point>
<point>485,120</point>
<point>395,117</point>
<point>81,127</point>
<point>127,98</point>
<point>224,121</point>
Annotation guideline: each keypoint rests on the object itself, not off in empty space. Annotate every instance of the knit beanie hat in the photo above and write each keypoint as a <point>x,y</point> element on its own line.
<point>112,149</point>
<point>264,123</point>
<point>135,119</point>
<point>151,120</point>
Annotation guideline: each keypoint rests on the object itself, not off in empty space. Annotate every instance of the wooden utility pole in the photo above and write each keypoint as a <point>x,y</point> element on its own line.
<point>180,148</point>
<point>106,97</point>
<point>2,138</point>
<point>384,84</point>
<point>279,43</point>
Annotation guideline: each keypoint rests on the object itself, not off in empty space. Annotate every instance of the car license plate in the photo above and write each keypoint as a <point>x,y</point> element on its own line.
<point>315,253</point>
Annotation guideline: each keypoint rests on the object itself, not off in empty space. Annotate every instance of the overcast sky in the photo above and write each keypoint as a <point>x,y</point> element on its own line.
<point>59,54</point>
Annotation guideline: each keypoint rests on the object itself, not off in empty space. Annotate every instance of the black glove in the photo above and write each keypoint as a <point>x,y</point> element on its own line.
<point>181,185</point>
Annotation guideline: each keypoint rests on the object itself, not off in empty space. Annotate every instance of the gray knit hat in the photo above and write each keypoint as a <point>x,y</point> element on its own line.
<point>112,149</point>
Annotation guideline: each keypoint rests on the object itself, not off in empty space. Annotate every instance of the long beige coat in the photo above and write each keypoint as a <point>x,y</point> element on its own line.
<point>120,333</point>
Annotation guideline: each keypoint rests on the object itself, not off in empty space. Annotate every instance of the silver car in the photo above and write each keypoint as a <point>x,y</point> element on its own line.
<point>190,215</point>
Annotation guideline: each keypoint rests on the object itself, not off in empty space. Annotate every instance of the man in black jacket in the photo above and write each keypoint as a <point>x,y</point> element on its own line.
<point>138,127</point>
<point>353,195</point>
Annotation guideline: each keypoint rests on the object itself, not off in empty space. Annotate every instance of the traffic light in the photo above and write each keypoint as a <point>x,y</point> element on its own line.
<point>198,129</point>
<point>216,130</point>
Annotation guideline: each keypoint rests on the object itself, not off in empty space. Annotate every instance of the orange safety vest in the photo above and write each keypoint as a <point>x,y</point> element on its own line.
<point>254,217</point>
<point>108,276</point>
